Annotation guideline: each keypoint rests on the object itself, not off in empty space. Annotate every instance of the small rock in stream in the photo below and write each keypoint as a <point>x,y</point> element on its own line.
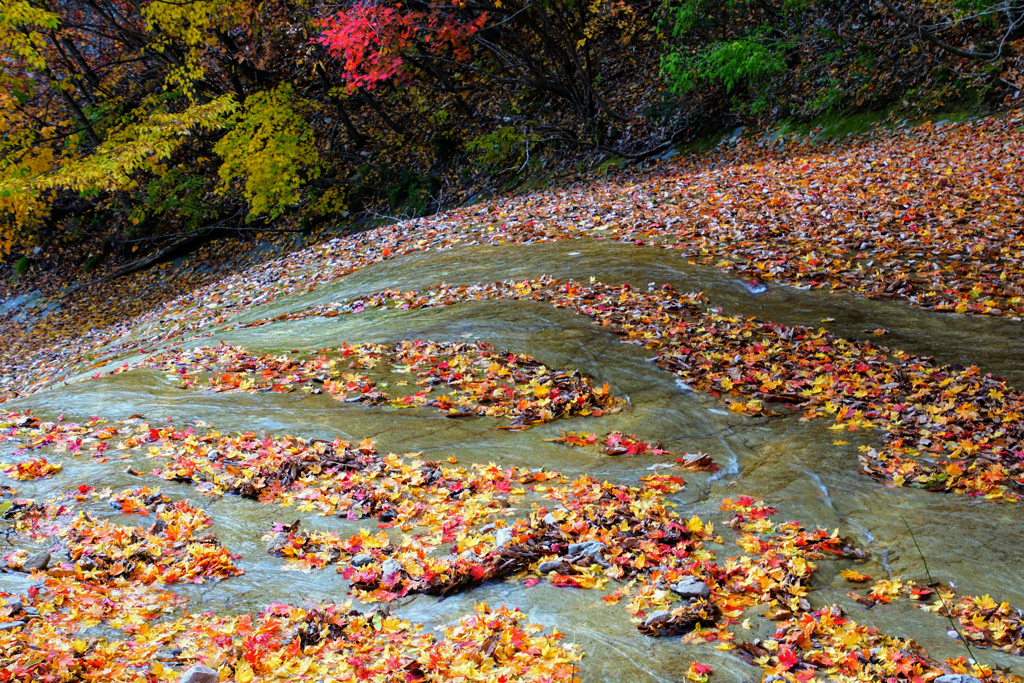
<point>755,286</point>
<point>956,678</point>
<point>591,548</point>
<point>199,674</point>
<point>656,618</point>
<point>37,561</point>
<point>14,603</point>
<point>549,566</point>
<point>502,537</point>
<point>277,543</point>
<point>9,625</point>
<point>691,588</point>
<point>361,560</point>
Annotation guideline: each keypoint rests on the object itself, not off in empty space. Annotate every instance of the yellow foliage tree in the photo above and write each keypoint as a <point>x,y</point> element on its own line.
<point>272,149</point>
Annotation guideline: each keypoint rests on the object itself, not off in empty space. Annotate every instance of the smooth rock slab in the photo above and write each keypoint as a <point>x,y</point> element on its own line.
<point>361,560</point>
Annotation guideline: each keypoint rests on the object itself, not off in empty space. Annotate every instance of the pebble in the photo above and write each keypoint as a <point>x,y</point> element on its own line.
<point>362,560</point>
<point>956,678</point>
<point>8,625</point>
<point>199,674</point>
<point>38,561</point>
<point>390,567</point>
<point>691,588</point>
<point>14,603</point>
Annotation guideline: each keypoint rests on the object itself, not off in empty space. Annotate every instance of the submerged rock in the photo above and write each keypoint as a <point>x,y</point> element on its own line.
<point>199,674</point>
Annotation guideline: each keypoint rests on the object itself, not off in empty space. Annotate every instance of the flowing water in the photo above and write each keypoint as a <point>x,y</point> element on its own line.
<point>793,465</point>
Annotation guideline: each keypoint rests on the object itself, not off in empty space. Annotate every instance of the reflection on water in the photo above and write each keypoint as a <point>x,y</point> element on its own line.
<point>793,465</point>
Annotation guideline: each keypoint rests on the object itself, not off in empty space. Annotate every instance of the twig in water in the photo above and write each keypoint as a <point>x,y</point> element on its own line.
<point>949,612</point>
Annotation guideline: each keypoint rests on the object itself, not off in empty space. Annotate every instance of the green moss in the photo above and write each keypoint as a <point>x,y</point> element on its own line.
<point>21,266</point>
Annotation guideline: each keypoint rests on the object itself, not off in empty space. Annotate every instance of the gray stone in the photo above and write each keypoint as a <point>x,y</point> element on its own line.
<point>14,603</point>
<point>550,520</point>
<point>586,548</point>
<point>390,567</point>
<point>549,566</point>
<point>87,564</point>
<point>956,678</point>
<point>362,560</point>
<point>691,588</point>
<point>502,537</point>
<point>8,625</point>
<point>468,555</point>
<point>277,543</point>
<point>656,618</point>
<point>38,561</point>
<point>199,674</point>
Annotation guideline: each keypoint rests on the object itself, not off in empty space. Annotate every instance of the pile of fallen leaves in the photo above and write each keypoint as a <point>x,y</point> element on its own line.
<point>71,438</point>
<point>470,378</point>
<point>986,622</point>
<point>33,468</point>
<point>281,643</point>
<point>825,642</point>
<point>173,549</point>
<point>945,429</point>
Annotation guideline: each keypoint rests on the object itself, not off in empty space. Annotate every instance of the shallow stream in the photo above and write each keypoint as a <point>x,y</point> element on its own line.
<point>793,465</point>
